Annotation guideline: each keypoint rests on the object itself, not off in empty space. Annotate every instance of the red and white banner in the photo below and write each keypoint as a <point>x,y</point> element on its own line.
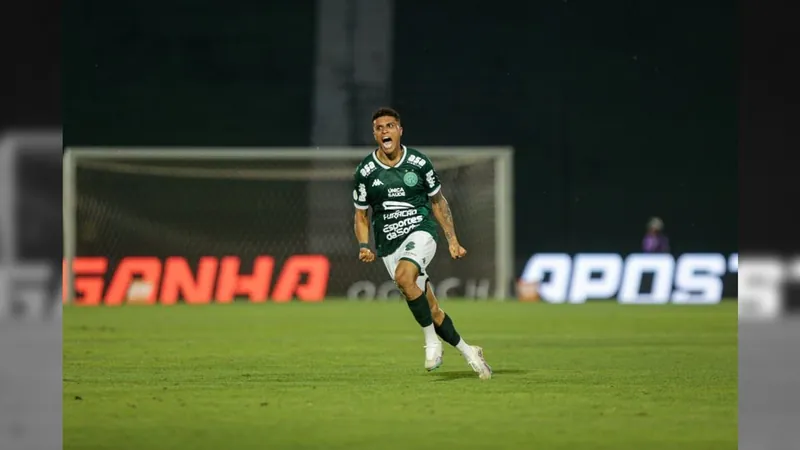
<point>152,280</point>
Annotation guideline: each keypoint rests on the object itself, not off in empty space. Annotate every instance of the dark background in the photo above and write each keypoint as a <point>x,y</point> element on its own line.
<point>30,82</point>
<point>31,96</point>
<point>618,110</point>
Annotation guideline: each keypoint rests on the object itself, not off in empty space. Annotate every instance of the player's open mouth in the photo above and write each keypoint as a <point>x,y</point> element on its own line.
<point>386,142</point>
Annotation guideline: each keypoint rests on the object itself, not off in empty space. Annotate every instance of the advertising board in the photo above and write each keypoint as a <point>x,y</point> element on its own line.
<point>152,280</point>
<point>690,278</point>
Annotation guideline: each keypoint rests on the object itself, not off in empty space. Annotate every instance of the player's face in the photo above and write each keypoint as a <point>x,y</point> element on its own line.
<point>387,133</point>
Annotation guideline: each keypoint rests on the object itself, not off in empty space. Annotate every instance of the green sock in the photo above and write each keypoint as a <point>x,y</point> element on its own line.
<point>421,311</point>
<point>447,331</point>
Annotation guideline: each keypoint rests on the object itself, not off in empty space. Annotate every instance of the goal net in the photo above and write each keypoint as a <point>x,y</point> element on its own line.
<point>196,204</point>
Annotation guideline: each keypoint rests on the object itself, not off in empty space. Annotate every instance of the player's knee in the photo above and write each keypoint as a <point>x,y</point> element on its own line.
<point>405,278</point>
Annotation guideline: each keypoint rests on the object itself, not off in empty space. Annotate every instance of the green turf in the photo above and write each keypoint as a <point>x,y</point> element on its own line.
<point>349,375</point>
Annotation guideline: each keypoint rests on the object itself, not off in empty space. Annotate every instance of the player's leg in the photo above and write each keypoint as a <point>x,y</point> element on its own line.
<point>446,330</point>
<point>406,277</point>
<point>412,257</point>
<point>433,303</point>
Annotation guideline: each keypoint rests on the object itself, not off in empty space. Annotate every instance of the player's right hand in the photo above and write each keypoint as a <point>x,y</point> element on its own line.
<point>366,255</point>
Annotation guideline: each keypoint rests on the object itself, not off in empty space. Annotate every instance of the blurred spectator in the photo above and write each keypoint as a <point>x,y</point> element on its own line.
<point>655,241</point>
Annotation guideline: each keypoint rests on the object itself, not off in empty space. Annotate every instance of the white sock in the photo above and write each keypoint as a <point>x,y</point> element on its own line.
<point>463,347</point>
<point>430,335</point>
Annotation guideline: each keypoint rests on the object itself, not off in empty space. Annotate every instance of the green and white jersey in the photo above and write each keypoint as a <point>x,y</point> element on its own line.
<point>399,197</point>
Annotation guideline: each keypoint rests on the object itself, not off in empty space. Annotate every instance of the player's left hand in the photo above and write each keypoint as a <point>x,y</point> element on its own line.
<point>457,251</point>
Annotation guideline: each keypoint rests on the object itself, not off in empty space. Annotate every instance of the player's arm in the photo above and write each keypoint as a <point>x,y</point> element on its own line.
<point>361,219</point>
<point>442,212</point>
<point>361,227</point>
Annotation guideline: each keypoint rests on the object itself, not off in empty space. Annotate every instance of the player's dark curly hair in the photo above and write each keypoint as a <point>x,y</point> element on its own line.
<point>386,111</point>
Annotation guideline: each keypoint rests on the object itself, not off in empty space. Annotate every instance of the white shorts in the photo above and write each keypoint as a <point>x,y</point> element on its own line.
<point>419,247</point>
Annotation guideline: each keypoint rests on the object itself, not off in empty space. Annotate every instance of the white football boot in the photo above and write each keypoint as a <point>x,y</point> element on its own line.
<point>433,356</point>
<point>478,363</point>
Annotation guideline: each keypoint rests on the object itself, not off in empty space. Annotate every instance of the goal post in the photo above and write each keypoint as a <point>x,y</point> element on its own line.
<point>124,202</point>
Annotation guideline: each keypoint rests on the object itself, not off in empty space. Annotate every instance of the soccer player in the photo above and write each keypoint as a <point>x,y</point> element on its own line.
<point>403,189</point>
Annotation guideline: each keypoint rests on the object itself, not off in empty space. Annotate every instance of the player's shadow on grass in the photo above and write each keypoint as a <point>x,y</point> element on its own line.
<point>449,376</point>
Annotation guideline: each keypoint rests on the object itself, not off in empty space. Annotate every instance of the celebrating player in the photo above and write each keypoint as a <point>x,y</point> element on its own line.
<point>403,189</point>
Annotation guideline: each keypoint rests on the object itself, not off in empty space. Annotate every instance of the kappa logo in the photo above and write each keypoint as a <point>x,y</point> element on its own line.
<point>377,182</point>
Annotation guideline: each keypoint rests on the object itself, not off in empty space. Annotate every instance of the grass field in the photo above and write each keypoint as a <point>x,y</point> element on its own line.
<point>349,375</point>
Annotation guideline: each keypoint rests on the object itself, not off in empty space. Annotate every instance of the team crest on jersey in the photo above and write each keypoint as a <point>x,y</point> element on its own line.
<point>410,179</point>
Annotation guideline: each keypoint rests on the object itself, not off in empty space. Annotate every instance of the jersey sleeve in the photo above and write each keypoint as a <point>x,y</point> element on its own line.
<point>430,178</point>
<point>360,190</point>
